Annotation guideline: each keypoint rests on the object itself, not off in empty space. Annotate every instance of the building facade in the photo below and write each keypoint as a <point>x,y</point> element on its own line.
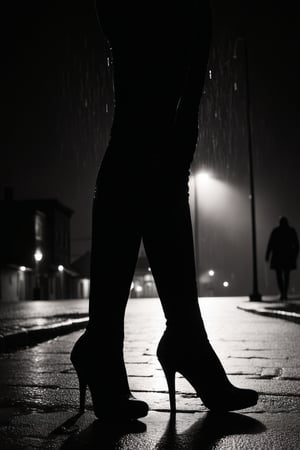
<point>35,250</point>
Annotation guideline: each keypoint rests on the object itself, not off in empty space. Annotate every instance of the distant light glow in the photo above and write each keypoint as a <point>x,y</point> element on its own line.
<point>211,273</point>
<point>85,287</point>
<point>38,256</point>
<point>22,268</point>
<point>138,288</point>
<point>226,284</point>
<point>60,268</point>
<point>132,286</point>
<point>203,177</point>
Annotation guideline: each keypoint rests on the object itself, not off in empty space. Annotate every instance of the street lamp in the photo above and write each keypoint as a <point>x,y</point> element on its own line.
<point>61,270</point>
<point>255,295</point>
<point>38,256</point>
<point>203,177</point>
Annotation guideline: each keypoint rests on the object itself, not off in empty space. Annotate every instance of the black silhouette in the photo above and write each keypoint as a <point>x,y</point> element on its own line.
<point>160,52</point>
<point>283,247</point>
<point>205,433</point>
<point>208,430</point>
<point>103,435</point>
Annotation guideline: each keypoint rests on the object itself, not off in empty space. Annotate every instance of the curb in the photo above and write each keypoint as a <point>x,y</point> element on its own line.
<point>269,312</point>
<point>35,335</point>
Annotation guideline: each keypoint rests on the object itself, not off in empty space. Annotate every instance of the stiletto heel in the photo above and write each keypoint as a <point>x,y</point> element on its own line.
<point>170,377</point>
<point>203,370</point>
<point>82,384</point>
<point>82,392</point>
<point>119,402</point>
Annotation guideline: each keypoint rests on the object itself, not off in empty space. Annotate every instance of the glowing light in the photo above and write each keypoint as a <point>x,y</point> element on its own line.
<point>132,286</point>
<point>38,256</point>
<point>203,177</point>
<point>138,288</point>
<point>60,268</point>
<point>226,284</point>
<point>85,287</point>
<point>211,273</point>
<point>22,268</point>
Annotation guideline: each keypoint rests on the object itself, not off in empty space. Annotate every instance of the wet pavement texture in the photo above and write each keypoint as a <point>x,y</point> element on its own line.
<point>39,388</point>
<point>29,322</point>
<point>286,310</point>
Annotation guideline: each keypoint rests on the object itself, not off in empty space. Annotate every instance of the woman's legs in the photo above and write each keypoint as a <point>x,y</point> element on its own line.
<point>142,191</point>
<point>116,238</point>
<point>116,235</point>
<point>184,347</point>
<point>168,241</point>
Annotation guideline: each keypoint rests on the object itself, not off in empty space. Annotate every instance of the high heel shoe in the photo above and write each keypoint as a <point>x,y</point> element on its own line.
<point>203,370</point>
<point>115,403</point>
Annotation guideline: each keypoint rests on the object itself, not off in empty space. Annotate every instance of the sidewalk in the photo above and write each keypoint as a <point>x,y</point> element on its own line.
<point>39,388</point>
<point>288,310</point>
<point>30,322</point>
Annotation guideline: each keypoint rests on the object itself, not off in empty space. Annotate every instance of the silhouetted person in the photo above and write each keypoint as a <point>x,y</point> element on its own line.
<point>283,247</point>
<point>160,51</point>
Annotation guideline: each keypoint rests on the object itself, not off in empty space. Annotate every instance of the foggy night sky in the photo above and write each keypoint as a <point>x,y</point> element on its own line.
<point>57,109</point>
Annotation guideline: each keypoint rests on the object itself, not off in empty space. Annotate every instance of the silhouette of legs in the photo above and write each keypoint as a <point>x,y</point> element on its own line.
<point>168,241</point>
<point>142,193</point>
<point>116,238</point>
<point>283,281</point>
<point>116,235</point>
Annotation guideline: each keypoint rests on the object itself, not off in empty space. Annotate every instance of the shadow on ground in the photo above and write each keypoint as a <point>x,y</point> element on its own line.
<point>207,431</point>
<point>204,433</point>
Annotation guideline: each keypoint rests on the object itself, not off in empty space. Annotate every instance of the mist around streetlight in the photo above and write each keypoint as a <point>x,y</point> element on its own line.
<point>38,255</point>
<point>204,181</point>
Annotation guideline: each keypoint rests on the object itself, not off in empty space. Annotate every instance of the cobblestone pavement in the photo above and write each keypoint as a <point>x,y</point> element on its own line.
<point>39,388</point>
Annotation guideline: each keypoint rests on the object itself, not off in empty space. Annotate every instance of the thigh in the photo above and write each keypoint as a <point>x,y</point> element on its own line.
<point>153,48</point>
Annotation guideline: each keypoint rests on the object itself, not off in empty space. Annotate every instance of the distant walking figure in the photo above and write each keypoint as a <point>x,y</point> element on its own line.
<point>159,52</point>
<point>283,247</point>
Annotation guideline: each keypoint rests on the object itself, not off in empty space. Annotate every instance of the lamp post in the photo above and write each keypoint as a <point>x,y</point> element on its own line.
<point>38,256</point>
<point>255,295</point>
<point>61,270</point>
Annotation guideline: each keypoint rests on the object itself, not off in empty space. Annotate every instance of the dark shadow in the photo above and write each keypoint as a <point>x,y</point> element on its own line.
<point>103,434</point>
<point>207,431</point>
<point>68,427</point>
